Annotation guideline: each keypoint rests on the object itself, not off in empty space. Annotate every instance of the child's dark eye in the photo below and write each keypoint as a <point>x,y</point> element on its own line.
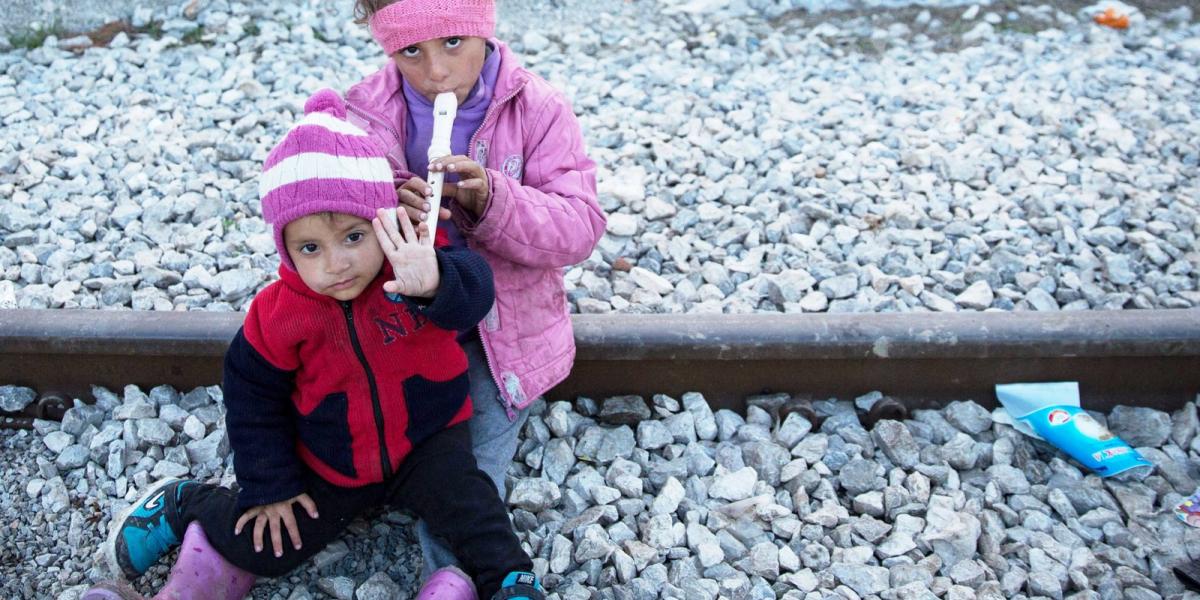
<point>355,237</point>
<point>308,249</point>
<point>410,51</point>
<point>453,42</point>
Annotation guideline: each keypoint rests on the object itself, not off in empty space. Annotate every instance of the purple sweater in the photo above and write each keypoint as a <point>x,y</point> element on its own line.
<point>466,123</point>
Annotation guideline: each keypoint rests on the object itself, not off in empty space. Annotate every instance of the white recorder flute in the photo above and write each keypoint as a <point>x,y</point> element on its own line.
<point>445,107</point>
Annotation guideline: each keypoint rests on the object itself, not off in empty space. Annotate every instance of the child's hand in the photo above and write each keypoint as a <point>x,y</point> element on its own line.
<point>413,262</point>
<point>273,514</point>
<point>472,191</point>
<point>414,197</point>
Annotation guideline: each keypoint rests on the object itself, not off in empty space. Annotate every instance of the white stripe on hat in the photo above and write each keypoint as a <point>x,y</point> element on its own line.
<point>318,165</point>
<point>330,122</point>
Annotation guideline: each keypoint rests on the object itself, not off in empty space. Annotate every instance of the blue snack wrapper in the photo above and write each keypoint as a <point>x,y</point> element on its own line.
<point>1051,411</point>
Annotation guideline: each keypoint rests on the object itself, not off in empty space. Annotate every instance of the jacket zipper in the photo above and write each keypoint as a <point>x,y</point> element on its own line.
<point>384,456</point>
<point>509,405</point>
<point>487,358</point>
<point>493,108</point>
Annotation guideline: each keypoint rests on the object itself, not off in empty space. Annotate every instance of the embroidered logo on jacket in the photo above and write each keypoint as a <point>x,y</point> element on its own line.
<point>393,328</point>
<point>512,166</point>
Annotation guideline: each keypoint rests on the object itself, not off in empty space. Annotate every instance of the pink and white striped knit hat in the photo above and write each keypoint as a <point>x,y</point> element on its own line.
<point>410,22</point>
<point>324,163</point>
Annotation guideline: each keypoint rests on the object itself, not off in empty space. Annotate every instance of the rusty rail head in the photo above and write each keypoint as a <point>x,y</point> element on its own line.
<point>890,335</point>
<point>1131,357</point>
<point>117,333</point>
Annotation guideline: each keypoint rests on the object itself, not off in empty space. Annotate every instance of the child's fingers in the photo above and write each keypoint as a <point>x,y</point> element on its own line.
<point>467,168</point>
<point>242,520</point>
<point>293,531</point>
<point>417,186</point>
<point>408,199</point>
<point>308,504</point>
<point>385,240</point>
<point>276,536</point>
<point>390,227</point>
<point>445,163</point>
<point>415,215</point>
<point>409,234</point>
<point>259,524</point>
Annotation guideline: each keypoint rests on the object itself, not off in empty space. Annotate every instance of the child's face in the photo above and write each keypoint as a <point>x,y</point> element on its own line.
<point>439,65</point>
<point>335,254</point>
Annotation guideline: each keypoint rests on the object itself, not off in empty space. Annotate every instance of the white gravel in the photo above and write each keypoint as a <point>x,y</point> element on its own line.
<point>636,498</point>
<point>753,157</point>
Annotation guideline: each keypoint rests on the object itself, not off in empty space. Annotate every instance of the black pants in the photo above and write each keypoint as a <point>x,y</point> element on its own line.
<point>438,481</point>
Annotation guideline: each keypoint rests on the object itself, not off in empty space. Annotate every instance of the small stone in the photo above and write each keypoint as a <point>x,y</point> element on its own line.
<point>968,417</point>
<point>57,441</point>
<point>978,296</point>
<point>534,495</point>
<point>860,475</point>
<point>1140,426</point>
<point>705,423</point>
<point>624,410</point>
<point>330,554</point>
<point>592,543</point>
<point>621,224</point>
<point>669,497</point>
<point>704,545</point>
<point>841,286</point>
<point>764,561</point>
<point>154,431</point>
<point>864,580</point>
<point>897,443</point>
<point>734,486</point>
<point>792,430</point>
<point>339,587</point>
<point>651,281</point>
<point>194,428</point>
<point>557,460</point>
<point>15,398</point>
<point>72,457</point>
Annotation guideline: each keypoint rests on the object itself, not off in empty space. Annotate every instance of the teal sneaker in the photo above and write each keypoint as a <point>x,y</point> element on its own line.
<point>519,585</point>
<point>147,530</point>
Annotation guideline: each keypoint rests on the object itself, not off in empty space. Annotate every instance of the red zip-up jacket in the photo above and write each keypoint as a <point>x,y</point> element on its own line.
<point>347,388</point>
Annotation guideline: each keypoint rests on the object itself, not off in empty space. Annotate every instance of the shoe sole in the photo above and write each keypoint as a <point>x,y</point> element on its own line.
<point>114,528</point>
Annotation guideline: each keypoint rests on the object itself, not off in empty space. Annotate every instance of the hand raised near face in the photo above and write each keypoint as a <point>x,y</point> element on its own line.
<point>411,255</point>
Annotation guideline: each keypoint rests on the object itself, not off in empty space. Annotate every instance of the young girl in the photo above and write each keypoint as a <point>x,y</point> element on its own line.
<point>345,389</point>
<point>520,191</point>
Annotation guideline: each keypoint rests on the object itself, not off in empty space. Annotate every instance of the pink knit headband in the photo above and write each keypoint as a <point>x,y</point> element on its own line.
<point>410,22</point>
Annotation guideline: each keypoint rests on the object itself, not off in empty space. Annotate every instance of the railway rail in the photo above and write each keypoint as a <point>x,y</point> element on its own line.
<point>922,360</point>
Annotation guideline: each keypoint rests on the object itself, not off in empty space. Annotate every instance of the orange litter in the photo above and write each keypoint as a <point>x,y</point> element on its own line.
<point>1110,18</point>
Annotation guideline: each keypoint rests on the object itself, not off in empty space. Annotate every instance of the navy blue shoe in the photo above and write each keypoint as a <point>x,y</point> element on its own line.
<point>519,585</point>
<point>147,530</point>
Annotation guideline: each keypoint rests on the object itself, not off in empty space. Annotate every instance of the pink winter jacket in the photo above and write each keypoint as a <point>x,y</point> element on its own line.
<point>542,216</point>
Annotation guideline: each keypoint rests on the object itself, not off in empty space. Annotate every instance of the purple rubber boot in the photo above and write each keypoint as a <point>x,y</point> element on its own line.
<point>448,583</point>
<point>201,573</point>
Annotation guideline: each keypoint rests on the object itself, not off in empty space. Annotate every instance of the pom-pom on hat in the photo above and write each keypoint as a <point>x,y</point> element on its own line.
<point>324,163</point>
<point>410,22</point>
